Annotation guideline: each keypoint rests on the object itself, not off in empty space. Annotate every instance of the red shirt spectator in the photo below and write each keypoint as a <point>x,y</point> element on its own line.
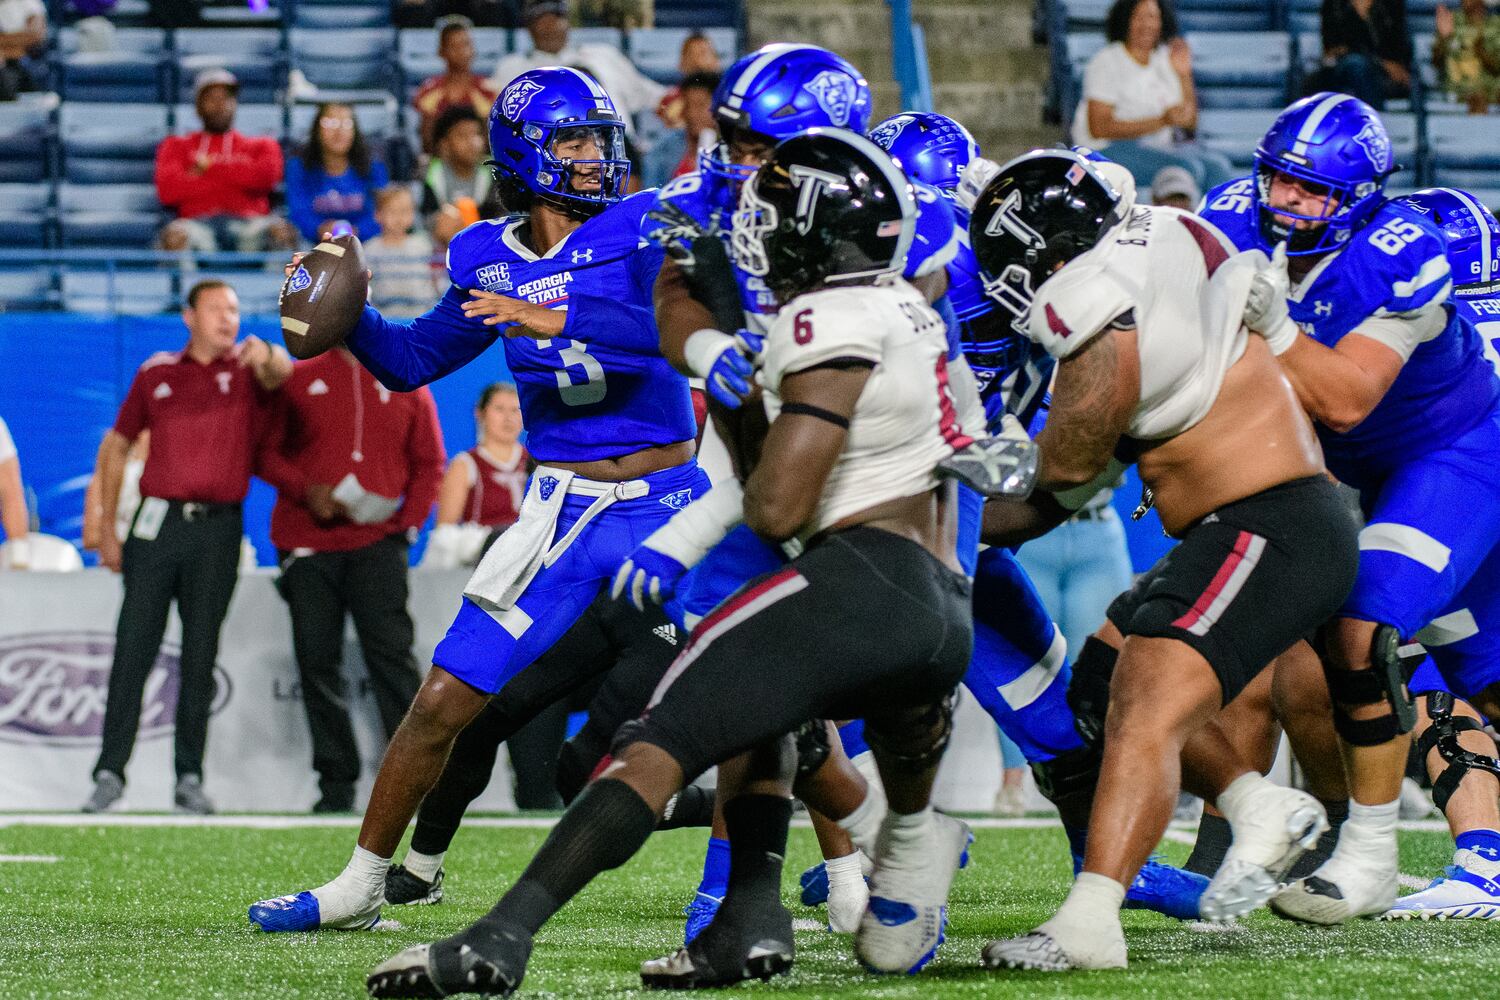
<point>217,171</point>
<point>334,419</point>
<point>495,487</point>
<point>205,419</point>
<point>459,86</point>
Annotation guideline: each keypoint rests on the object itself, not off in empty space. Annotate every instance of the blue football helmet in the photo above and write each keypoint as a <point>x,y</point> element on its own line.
<point>779,91</point>
<point>1328,142</point>
<point>555,133</point>
<point>931,148</point>
<point>1472,234</point>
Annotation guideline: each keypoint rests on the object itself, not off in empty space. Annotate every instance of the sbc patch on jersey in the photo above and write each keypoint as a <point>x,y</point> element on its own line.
<point>494,278</point>
<point>835,93</point>
<point>516,97</point>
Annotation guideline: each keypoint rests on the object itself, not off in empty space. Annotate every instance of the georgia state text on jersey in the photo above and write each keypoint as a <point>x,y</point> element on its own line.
<point>597,390</point>
<point>1391,277</point>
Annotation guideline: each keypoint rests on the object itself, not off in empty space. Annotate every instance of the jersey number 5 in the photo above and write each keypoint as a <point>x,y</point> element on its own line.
<point>592,388</point>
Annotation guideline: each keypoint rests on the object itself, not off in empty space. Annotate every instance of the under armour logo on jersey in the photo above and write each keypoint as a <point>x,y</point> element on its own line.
<point>318,388</point>
<point>1322,308</point>
<point>546,485</point>
<point>583,256</point>
<point>885,135</point>
<point>517,96</point>
<point>1377,145</point>
<point>677,500</point>
<point>1008,219</point>
<point>667,632</point>
<point>1488,852</point>
<point>162,391</point>
<point>835,92</point>
<point>494,278</point>
<point>810,183</point>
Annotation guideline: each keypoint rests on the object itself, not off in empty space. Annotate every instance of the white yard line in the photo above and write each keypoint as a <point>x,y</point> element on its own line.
<point>40,859</point>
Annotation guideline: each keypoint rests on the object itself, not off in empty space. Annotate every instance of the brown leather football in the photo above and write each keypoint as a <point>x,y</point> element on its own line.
<point>322,298</point>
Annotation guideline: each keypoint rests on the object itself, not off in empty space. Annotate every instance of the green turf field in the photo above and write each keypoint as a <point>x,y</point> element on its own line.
<point>160,912</point>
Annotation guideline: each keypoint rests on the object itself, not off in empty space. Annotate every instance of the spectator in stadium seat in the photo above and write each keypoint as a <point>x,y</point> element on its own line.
<point>23,32</point>
<point>688,111</point>
<point>1466,54</point>
<point>1139,106</point>
<point>1174,187</point>
<point>547,22</point>
<point>334,176</point>
<point>356,468</point>
<point>14,517</point>
<point>459,86</point>
<point>219,181</point>
<point>403,279</point>
<point>482,489</point>
<point>456,189</point>
<point>1366,51</point>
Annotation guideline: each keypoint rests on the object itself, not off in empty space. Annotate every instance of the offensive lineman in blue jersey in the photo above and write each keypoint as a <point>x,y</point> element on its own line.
<point>610,423</point>
<point>1020,673</point>
<point>1355,304</point>
<point>1459,755</point>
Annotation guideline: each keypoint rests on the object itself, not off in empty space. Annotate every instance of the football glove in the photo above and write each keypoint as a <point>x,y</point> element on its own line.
<point>1266,310</point>
<point>724,363</point>
<point>647,575</point>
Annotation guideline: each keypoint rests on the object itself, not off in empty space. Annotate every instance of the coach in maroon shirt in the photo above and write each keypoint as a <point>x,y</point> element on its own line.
<point>357,469</point>
<point>206,407</point>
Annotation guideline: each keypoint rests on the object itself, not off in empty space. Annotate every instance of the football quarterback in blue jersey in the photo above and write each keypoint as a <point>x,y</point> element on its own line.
<point>1459,755</point>
<point>1356,302</point>
<point>568,285</point>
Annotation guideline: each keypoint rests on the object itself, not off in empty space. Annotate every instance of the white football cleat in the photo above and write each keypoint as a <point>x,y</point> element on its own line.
<point>1458,894</point>
<point>846,905</point>
<point>904,922</point>
<point>1344,889</point>
<point>1040,952</point>
<point>1274,827</point>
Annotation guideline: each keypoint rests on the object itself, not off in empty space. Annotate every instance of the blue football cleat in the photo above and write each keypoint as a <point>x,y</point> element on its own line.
<point>700,913</point>
<point>815,885</point>
<point>286,913</point>
<point>1166,889</point>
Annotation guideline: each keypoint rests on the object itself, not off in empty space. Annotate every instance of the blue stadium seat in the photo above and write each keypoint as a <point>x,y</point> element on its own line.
<point>356,59</point>
<point>1463,153</point>
<point>1226,15</point>
<point>118,77</point>
<point>237,12</point>
<point>1420,17</point>
<point>576,36</point>
<point>1305,15</point>
<point>340,14</point>
<point>117,216</point>
<point>25,215</point>
<point>250,119</point>
<point>27,288</point>
<point>1235,132</point>
<point>140,41</point>
<point>102,291</point>
<point>1241,69</point>
<point>26,135</point>
<point>110,144</point>
<point>258,290</point>
<point>1404,129</point>
<point>1086,14</point>
<point>254,55</point>
<point>655,51</point>
<point>697,13</point>
<point>416,53</point>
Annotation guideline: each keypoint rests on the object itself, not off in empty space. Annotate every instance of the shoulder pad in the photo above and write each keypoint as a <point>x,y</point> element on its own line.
<point>1403,258</point>
<point>475,246</point>
<point>1074,305</point>
<point>820,327</point>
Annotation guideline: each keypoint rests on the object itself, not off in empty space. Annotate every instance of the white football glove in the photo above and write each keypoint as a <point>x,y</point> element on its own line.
<point>974,179</point>
<point>1266,310</point>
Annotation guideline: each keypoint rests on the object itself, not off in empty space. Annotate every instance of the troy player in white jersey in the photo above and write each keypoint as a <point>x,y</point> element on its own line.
<point>1143,308</point>
<point>871,621</point>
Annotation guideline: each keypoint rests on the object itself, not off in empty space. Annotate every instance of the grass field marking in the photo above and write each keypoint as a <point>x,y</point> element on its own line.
<point>39,859</point>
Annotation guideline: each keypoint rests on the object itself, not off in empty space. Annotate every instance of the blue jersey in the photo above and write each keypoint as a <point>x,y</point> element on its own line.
<point>1394,267</point>
<point>1013,371</point>
<point>1484,312</point>
<point>601,388</point>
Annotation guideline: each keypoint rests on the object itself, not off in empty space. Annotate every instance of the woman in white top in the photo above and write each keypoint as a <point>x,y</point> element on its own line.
<point>1139,105</point>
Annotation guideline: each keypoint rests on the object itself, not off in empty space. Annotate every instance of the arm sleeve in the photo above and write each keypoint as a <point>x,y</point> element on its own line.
<point>597,319</point>
<point>263,172</point>
<point>411,353</point>
<point>131,419</point>
<point>425,458</point>
<point>1419,280</point>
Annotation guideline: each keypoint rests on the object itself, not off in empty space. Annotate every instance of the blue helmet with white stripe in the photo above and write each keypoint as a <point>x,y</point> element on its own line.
<point>555,135</point>
<point>779,91</point>
<point>1472,235</point>
<point>931,148</point>
<point>1328,143</point>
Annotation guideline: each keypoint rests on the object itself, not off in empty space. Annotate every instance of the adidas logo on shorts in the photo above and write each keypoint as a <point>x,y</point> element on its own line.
<point>667,632</point>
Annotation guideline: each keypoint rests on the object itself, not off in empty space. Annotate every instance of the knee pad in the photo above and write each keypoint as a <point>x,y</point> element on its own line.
<point>1384,681</point>
<point>812,747</point>
<point>1443,735</point>
<point>920,752</point>
<point>1069,780</point>
<point>1088,691</point>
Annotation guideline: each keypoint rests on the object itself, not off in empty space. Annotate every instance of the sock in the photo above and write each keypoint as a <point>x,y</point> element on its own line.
<point>1338,812</point>
<point>693,806</point>
<point>1210,847</point>
<point>1091,909</point>
<point>1369,832</point>
<point>424,866</point>
<point>1235,797</point>
<point>603,828</point>
<point>1484,845</point>
<point>1374,819</point>
<point>1078,842</point>
<point>845,871</point>
<point>757,827</point>
<point>715,869</point>
<point>863,824</point>
<point>360,883</point>
<point>906,840</point>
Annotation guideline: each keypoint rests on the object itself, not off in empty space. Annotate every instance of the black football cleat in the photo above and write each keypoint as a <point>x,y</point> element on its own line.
<point>732,949</point>
<point>454,965</point>
<point>402,888</point>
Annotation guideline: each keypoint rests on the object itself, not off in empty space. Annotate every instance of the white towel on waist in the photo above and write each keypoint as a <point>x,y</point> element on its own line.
<point>508,567</point>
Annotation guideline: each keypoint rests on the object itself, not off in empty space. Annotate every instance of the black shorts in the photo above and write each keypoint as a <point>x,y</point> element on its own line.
<point>864,622</point>
<point>1249,580</point>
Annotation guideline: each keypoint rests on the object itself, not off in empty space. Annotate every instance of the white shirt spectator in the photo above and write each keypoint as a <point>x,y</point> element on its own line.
<point>631,91</point>
<point>15,13</point>
<point>1136,92</point>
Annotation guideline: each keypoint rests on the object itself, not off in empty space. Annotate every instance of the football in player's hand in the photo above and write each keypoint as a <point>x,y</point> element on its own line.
<point>323,296</point>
